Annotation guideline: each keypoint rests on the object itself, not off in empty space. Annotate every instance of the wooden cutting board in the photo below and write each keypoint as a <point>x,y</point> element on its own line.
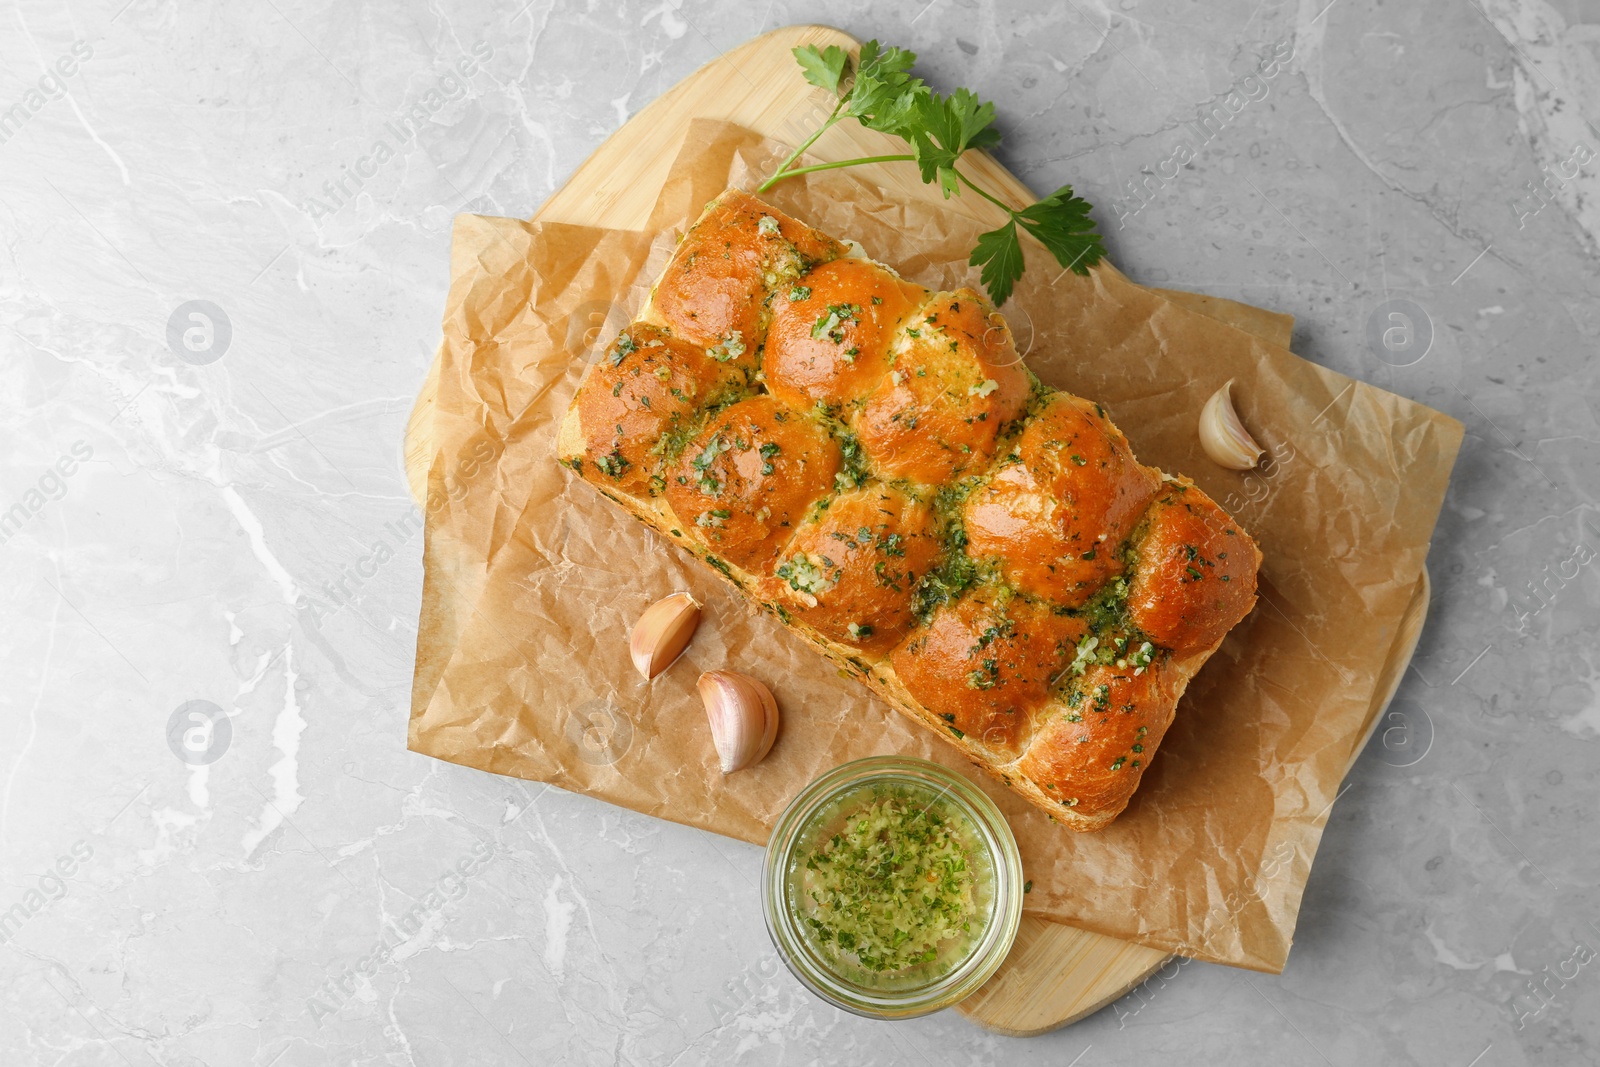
<point>1056,974</point>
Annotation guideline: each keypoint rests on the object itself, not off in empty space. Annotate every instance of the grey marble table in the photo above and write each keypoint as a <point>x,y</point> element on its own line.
<point>203,518</point>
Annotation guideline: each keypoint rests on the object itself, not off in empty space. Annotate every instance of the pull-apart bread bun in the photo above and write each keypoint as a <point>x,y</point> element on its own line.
<point>873,463</point>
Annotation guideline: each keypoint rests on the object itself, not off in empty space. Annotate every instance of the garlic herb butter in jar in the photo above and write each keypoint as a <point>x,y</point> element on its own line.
<point>892,884</point>
<point>892,887</point>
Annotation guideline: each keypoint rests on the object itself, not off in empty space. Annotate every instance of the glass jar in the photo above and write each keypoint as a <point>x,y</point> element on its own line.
<point>973,836</point>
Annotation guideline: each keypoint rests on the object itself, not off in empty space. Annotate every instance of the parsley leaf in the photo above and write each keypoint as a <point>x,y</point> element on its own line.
<point>947,127</point>
<point>824,67</point>
<point>882,94</point>
<point>1062,224</point>
<point>999,253</point>
<point>885,95</point>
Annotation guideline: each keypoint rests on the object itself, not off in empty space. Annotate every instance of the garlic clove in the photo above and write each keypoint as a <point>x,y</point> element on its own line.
<point>662,633</point>
<point>1223,436</point>
<point>743,717</point>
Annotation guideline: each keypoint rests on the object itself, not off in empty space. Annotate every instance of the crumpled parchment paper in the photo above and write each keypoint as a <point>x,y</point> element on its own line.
<point>533,580</point>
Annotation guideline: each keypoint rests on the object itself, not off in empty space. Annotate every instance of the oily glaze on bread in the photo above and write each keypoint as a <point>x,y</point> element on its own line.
<point>873,463</point>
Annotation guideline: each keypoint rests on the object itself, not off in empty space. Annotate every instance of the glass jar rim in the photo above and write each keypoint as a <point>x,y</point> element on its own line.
<point>995,836</point>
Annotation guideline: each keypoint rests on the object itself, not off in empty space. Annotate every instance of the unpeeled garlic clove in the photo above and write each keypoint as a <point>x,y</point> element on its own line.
<point>662,633</point>
<point>743,715</point>
<point>1223,436</point>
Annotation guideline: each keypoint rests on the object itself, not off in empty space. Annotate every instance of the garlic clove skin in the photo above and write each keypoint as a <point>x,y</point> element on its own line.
<point>1223,436</point>
<point>662,633</point>
<point>743,717</point>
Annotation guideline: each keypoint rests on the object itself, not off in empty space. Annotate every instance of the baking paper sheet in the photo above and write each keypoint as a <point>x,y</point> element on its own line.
<point>533,580</point>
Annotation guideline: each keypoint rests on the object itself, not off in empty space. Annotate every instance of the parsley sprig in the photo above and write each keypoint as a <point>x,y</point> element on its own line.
<point>879,91</point>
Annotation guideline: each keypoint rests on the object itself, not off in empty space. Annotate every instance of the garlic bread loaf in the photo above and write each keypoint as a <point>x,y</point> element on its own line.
<point>872,462</point>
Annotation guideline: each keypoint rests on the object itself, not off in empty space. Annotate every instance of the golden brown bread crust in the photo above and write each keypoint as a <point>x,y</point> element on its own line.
<point>1197,569</point>
<point>954,383</point>
<point>1055,519</point>
<point>851,569</point>
<point>645,386</point>
<point>985,663</point>
<point>747,480</point>
<point>829,338</point>
<point>713,292</point>
<point>875,465</point>
<point>1095,741</point>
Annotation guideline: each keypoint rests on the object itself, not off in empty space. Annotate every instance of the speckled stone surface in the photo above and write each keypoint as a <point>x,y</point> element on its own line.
<point>289,886</point>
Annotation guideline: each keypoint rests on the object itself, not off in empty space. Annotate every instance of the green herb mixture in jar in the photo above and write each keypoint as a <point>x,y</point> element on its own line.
<point>891,884</point>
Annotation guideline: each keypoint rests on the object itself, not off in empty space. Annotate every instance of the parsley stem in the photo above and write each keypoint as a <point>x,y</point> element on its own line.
<point>833,166</point>
<point>781,174</point>
<point>970,184</point>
